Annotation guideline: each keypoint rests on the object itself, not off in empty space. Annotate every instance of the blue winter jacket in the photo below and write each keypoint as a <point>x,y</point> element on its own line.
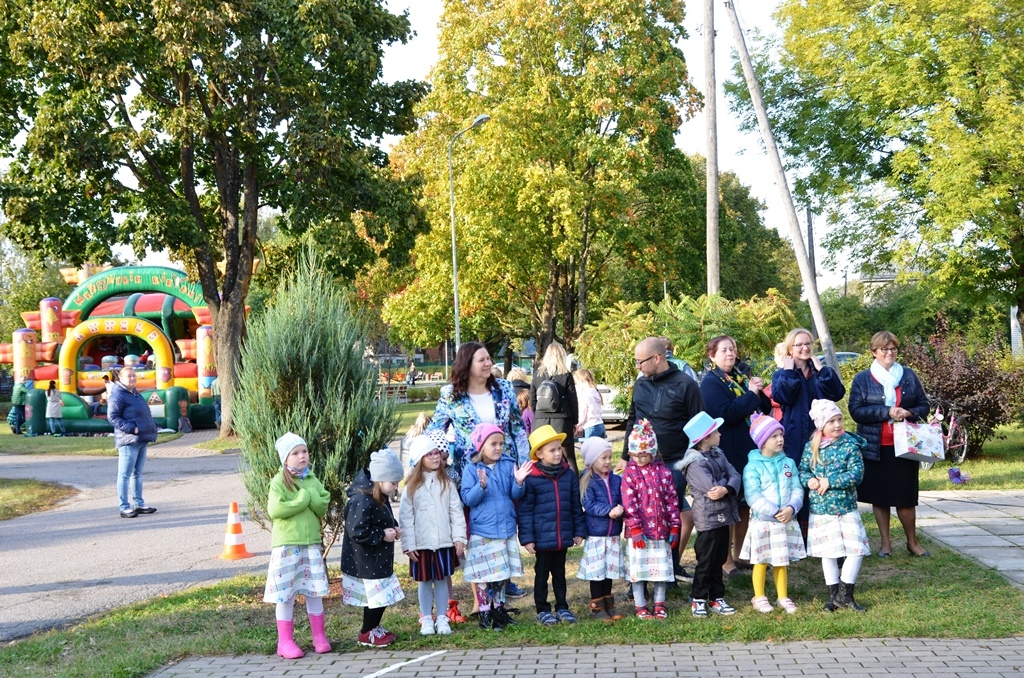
<point>794,394</point>
<point>868,408</point>
<point>127,411</point>
<point>598,501</point>
<point>492,513</point>
<point>550,513</point>
<point>771,484</point>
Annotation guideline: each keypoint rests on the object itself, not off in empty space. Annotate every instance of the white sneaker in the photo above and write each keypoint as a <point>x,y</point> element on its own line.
<point>426,625</point>
<point>442,627</point>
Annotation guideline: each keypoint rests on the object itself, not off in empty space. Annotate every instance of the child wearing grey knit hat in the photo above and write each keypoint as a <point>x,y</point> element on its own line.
<point>368,546</point>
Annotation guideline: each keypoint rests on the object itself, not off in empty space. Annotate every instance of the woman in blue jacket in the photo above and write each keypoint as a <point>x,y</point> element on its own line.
<point>730,393</point>
<point>886,393</point>
<point>802,379</point>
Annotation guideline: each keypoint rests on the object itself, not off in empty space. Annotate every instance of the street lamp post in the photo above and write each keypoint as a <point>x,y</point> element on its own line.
<point>480,119</point>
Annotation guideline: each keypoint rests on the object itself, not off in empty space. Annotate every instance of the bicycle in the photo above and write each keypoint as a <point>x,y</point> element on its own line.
<point>954,432</point>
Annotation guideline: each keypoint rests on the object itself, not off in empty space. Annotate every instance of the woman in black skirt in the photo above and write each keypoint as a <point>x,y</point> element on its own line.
<point>886,393</point>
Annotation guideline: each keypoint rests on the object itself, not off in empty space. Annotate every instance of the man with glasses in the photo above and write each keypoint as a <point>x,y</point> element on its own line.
<point>668,398</point>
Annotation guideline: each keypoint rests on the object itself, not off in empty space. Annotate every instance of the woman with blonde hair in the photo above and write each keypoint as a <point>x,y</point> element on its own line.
<point>590,403</point>
<point>553,398</point>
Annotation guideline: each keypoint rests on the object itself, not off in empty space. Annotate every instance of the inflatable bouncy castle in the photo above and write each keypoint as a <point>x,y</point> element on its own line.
<point>151,319</point>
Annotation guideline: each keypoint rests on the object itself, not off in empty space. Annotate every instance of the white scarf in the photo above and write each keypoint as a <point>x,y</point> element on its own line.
<point>889,379</point>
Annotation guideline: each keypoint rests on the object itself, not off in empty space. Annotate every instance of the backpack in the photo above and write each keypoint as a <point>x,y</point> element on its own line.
<point>549,397</point>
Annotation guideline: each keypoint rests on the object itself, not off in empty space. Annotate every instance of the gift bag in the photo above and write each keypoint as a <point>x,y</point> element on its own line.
<point>919,442</point>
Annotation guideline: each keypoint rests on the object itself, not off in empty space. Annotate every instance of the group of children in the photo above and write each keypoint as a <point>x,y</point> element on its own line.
<point>550,508</point>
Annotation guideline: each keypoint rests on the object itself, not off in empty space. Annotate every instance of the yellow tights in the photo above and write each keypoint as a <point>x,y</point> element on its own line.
<point>781,576</point>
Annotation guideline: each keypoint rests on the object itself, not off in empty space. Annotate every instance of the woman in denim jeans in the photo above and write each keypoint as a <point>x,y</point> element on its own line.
<point>134,429</point>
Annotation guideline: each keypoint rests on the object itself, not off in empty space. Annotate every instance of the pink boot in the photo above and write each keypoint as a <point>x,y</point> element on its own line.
<point>286,646</point>
<point>320,642</point>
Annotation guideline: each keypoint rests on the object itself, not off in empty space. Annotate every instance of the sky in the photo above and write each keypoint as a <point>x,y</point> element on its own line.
<point>738,152</point>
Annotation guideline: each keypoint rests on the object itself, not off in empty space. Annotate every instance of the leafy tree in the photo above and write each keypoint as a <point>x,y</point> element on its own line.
<point>904,119</point>
<point>606,346</point>
<point>578,92</point>
<point>188,118</point>
<point>305,373</point>
<point>24,282</point>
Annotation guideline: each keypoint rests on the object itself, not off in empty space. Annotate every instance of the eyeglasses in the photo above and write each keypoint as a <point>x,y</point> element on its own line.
<point>640,363</point>
<point>805,345</point>
<point>889,349</point>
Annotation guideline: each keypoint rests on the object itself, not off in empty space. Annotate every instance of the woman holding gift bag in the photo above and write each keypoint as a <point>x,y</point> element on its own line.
<point>886,393</point>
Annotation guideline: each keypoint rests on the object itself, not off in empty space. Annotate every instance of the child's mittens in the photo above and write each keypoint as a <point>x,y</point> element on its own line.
<point>637,537</point>
<point>673,537</point>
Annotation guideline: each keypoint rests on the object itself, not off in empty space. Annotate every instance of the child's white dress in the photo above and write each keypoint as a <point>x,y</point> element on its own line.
<point>490,560</point>
<point>602,559</point>
<point>294,570</point>
<point>651,563</point>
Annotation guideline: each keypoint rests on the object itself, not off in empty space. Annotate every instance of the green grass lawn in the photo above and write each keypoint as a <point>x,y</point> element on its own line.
<point>89,445</point>
<point>905,597</point>
<point>20,497</point>
<point>998,468</point>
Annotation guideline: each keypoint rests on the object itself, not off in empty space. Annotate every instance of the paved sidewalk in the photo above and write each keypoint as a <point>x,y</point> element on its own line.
<point>848,658</point>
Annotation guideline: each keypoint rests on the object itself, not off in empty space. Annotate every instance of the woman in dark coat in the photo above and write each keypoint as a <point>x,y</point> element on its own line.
<point>885,393</point>
<point>802,379</point>
<point>730,393</point>
<point>555,367</point>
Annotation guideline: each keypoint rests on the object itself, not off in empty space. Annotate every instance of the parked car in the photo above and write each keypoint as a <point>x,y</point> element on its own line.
<point>842,356</point>
<point>609,414</point>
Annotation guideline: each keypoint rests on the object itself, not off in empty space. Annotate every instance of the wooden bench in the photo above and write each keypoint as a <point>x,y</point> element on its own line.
<point>397,391</point>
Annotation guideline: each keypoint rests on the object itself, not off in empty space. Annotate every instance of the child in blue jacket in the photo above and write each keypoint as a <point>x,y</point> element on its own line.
<point>550,520</point>
<point>491,482</point>
<point>602,507</point>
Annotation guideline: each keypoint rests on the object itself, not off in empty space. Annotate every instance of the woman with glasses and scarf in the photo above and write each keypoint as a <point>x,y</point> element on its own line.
<point>801,380</point>
<point>886,393</point>
<point>731,393</point>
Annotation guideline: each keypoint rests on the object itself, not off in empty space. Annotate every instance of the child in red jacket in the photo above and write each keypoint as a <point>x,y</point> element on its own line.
<point>652,521</point>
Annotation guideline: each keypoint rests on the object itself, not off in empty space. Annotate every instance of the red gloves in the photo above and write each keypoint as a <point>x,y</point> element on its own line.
<point>673,537</point>
<point>637,535</point>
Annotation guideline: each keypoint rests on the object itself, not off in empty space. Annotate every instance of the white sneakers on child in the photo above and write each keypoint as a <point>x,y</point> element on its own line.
<point>427,625</point>
<point>442,627</point>
<point>788,605</point>
<point>761,604</point>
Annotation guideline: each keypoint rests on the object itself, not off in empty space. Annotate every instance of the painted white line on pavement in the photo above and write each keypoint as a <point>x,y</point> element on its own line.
<point>395,667</point>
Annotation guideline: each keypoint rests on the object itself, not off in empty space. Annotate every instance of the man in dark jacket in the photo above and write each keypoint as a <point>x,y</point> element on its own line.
<point>667,398</point>
<point>134,428</point>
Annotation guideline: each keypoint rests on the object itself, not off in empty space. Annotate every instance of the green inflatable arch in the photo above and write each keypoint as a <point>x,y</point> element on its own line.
<point>126,280</point>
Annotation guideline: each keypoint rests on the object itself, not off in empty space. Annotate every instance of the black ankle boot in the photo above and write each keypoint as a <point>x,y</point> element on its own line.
<point>486,621</point>
<point>501,618</point>
<point>833,598</point>
<point>848,597</point>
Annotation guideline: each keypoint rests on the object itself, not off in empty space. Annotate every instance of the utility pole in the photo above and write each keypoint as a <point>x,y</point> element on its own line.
<point>810,243</point>
<point>810,284</point>
<point>711,112</point>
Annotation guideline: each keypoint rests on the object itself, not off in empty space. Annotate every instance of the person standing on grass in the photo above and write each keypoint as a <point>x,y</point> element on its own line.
<point>603,510</point>
<point>19,396</point>
<point>296,501</point>
<point>433,532</point>
<point>667,398</point>
<point>134,429</point>
<point>54,413</point>
<point>550,520</point>
<point>368,547</point>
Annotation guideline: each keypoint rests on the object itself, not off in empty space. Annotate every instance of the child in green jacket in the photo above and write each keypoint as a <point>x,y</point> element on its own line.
<point>296,502</point>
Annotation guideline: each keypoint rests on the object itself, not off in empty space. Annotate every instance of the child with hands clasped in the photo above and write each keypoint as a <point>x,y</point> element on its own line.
<point>714,485</point>
<point>296,502</point>
<point>491,482</point>
<point>832,468</point>
<point>433,531</point>
<point>550,520</point>
<point>772,489</point>
<point>651,518</point>
<point>368,546</point>
<point>602,508</point>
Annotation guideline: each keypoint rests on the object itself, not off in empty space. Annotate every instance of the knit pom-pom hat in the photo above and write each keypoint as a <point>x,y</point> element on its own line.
<point>642,439</point>
<point>762,427</point>
<point>822,411</point>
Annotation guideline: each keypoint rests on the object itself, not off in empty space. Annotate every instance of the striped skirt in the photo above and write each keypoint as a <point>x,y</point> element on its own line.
<point>602,559</point>
<point>652,563</point>
<point>490,560</point>
<point>370,593</point>
<point>294,570</point>
<point>837,536</point>
<point>434,565</point>
<point>777,544</point>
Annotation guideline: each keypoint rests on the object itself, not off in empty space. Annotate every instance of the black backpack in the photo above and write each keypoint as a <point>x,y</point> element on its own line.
<point>549,397</point>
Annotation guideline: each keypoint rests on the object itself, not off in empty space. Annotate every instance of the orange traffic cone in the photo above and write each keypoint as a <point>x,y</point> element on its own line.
<point>234,545</point>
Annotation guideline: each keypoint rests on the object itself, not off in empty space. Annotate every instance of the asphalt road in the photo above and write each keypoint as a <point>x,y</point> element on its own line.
<point>82,558</point>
